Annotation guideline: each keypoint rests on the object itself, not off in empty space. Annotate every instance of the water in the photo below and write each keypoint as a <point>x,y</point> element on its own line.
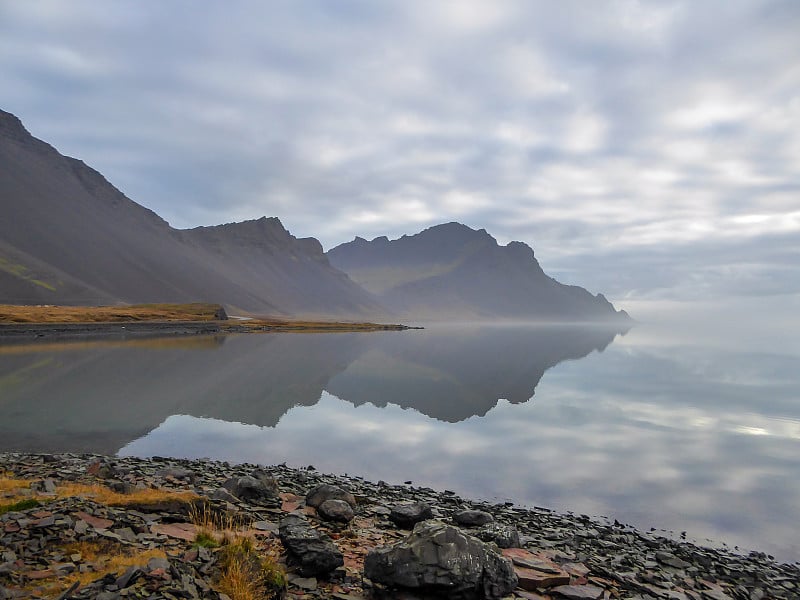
<point>660,427</point>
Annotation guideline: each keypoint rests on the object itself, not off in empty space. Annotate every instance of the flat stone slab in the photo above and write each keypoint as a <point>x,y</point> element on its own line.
<point>181,531</point>
<point>96,522</point>
<point>578,592</point>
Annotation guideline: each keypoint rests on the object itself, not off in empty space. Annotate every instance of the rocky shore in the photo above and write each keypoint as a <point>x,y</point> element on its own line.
<point>87,526</point>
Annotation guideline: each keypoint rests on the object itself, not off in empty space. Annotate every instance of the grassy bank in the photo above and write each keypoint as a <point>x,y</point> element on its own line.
<point>11,313</point>
<point>171,313</point>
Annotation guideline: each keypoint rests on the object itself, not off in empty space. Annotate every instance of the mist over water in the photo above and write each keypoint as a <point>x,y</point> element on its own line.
<point>688,422</point>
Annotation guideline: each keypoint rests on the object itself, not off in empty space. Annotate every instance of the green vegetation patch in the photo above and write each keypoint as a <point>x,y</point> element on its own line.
<point>24,273</point>
<point>17,506</point>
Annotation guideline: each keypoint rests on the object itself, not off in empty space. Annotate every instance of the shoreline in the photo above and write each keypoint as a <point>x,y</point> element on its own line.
<point>27,332</point>
<point>620,560</point>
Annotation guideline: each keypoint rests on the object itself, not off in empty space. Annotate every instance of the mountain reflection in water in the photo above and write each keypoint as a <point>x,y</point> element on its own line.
<point>99,396</point>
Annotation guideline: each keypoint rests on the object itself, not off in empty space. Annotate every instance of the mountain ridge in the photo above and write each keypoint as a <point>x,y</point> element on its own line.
<point>69,236</point>
<point>453,272</point>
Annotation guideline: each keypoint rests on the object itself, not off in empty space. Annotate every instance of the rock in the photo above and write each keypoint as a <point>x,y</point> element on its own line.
<point>157,563</point>
<point>408,514</point>
<point>665,558</point>
<point>531,579</point>
<point>223,495</point>
<point>314,552</point>
<point>250,489</point>
<point>576,569</point>
<point>505,536</point>
<point>266,478</point>
<point>472,518</point>
<point>440,559</point>
<point>121,487</point>
<point>578,592</point>
<point>179,473</point>
<point>45,486</point>
<point>128,577</point>
<point>336,510</point>
<point>103,469</point>
<point>305,583</point>
<point>325,491</point>
<point>528,560</point>
<point>96,522</point>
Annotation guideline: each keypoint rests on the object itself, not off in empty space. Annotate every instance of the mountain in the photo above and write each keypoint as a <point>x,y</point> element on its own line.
<point>67,236</point>
<point>453,272</point>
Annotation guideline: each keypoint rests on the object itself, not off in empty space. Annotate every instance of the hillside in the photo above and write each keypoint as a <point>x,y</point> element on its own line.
<point>451,271</point>
<point>68,236</point>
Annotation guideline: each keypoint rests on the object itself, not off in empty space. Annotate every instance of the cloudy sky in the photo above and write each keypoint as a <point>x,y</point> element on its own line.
<point>649,150</point>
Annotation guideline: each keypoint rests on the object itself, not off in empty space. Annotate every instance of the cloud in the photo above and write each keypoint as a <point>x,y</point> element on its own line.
<point>646,129</point>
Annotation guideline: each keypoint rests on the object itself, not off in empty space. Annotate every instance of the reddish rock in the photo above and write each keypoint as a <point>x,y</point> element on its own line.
<point>95,522</point>
<point>528,595</point>
<point>529,560</point>
<point>532,580</point>
<point>576,569</point>
<point>578,592</point>
<point>290,505</point>
<point>40,574</point>
<point>181,531</point>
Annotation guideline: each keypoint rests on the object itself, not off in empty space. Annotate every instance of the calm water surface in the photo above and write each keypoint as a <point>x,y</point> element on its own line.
<point>663,427</point>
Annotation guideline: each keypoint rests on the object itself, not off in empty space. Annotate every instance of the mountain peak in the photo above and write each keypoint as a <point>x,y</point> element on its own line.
<point>12,127</point>
<point>451,271</point>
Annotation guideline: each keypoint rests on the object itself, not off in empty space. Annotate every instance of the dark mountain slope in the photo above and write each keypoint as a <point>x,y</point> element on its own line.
<point>453,272</point>
<point>264,258</point>
<point>68,236</point>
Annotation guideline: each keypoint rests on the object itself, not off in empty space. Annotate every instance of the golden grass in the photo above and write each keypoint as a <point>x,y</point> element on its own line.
<point>10,313</point>
<point>9,484</point>
<point>14,490</point>
<point>173,312</point>
<point>249,569</point>
<point>249,573</point>
<point>105,557</point>
<point>104,495</point>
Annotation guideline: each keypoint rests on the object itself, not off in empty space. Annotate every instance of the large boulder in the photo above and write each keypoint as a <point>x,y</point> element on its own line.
<point>472,518</point>
<point>336,510</point>
<point>505,536</point>
<point>325,491</point>
<point>441,559</point>
<point>408,514</point>
<point>251,489</point>
<point>313,552</point>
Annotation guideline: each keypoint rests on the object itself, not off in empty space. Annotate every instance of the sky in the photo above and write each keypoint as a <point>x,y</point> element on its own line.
<point>646,150</point>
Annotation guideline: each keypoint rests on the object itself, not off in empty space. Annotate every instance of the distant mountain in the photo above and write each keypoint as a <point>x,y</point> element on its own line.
<point>67,236</point>
<point>451,271</point>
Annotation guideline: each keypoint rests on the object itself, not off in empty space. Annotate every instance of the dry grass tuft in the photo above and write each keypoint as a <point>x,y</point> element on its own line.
<point>247,574</point>
<point>247,571</point>
<point>13,491</point>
